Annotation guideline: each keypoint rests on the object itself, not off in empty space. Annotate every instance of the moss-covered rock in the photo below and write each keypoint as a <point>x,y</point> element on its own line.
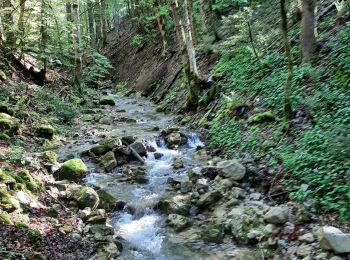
<point>49,156</point>
<point>107,100</point>
<point>107,201</point>
<point>4,137</point>
<point>6,178</point>
<point>35,256</point>
<point>45,131</point>
<point>25,178</point>
<point>261,118</point>
<point>8,124</point>
<point>85,197</point>
<point>7,202</point>
<point>213,233</point>
<point>108,161</point>
<point>72,170</point>
<point>34,236</point>
<point>5,108</point>
<point>5,218</point>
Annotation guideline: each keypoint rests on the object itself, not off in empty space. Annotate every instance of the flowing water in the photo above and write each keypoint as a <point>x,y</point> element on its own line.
<point>144,231</point>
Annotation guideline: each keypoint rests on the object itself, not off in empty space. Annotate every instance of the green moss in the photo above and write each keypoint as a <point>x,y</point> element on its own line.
<point>5,217</point>
<point>34,236</point>
<point>4,137</point>
<point>45,131</point>
<point>21,225</point>
<point>107,100</point>
<point>49,156</point>
<point>261,118</point>
<point>185,120</point>
<point>7,202</point>
<point>107,201</point>
<point>72,170</point>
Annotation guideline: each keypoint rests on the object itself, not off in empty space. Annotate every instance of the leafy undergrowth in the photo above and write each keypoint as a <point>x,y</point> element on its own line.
<point>247,121</point>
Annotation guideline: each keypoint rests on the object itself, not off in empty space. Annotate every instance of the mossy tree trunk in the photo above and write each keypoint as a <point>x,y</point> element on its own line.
<point>212,15</point>
<point>205,34</point>
<point>308,31</point>
<point>44,35</point>
<point>98,22</point>
<point>22,6</point>
<point>10,37</point>
<point>288,84</point>
<point>161,26</point>
<point>69,18</point>
<point>104,22</point>
<point>190,67</point>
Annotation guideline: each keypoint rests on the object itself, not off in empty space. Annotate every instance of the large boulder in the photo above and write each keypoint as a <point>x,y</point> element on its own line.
<point>106,145</point>
<point>108,161</point>
<point>231,169</point>
<point>178,222</point>
<point>214,233</point>
<point>72,170</point>
<point>331,238</point>
<point>209,198</point>
<point>136,173</point>
<point>277,215</point>
<point>107,100</point>
<point>85,197</point>
<point>45,131</point>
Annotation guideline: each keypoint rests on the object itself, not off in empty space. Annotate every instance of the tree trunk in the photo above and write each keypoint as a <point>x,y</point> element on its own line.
<point>104,22</point>
<point>308,31</point>
<point>44,35</point>
<point>204,25</point>
<point>252,40</point>
<point>22,6</point>
<point>288,85</point>
<point>192,23</point>
<point>213,20</point>
<point>8,24</point>
<point>69,20</point>
<point>180,35</point>
<point>98,22</point>
<point>161,26</point>
<point>91,24</point>
<point>191,70</point>
<point>77,80</point>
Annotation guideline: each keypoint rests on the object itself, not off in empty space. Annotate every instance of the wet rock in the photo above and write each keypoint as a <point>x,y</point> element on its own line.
<point>84,196</point>
<point>186,186</point>
<point>175,140</point>
<point>157,156</point>
<point>178,163</point>
<point>194,173</point>
<point>45,131</point>
<point>106,145</point>
<point>101,229</point>
<point>331,238</point>
<point>140,148</point>
<point>97,217</point>
<point>238,193</point>
<point>107,251</point>
<point>213,233</point>
<point>277,215</point>
<point>127,120</point>
<point>136,173</point>
<point>107,100</point>
<point>151,149</point>
<point>84,213</point>
<point>128,139</point>
<point>72,170</point>
<point>108,161</point>
<point>209,198</point>
<point>178,222</point>
<point>107,201</point>
<point>210,172</point>
<point>179,204</point>
<point>202,185</point>
<point>231,169</point>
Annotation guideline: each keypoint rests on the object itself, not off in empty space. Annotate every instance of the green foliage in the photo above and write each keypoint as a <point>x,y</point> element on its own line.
<point>97,68</point>
<point>315,152</point>
<point>34,236</point>
<point>138,40</point>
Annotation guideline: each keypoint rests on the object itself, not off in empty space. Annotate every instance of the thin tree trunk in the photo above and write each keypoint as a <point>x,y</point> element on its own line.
<point>203,20</point>
<point>213,20</point>
<point>77,80</point>
<point>91,24</point>
<point>69,18</point>
<point>161,27</point>
<point>98,24</point>
<point>288,85</point>
<point>252,40</point>
<point>308,31</point>
<point>180,35</point>
<point>22,6</point>
<point>44,35</point>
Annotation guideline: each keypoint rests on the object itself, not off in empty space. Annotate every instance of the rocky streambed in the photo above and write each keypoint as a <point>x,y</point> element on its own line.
<point>162,195</point>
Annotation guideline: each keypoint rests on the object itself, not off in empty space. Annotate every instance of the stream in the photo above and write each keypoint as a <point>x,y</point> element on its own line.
<point>144,232</point>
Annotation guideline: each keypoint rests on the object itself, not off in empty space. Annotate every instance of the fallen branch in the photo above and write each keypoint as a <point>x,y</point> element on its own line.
<point>134,152</point>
